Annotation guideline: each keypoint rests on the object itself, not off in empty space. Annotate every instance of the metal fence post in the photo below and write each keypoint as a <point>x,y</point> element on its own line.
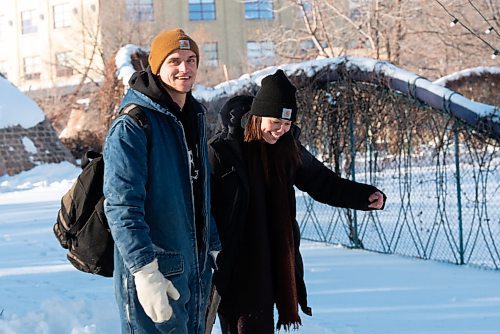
<point>459,194</point>
<point>355,235</point>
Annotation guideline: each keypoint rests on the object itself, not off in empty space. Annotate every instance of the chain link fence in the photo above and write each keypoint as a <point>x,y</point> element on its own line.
<point>441,177</point>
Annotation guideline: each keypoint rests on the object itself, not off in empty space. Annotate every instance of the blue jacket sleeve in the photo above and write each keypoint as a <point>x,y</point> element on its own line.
<point>125,177</point>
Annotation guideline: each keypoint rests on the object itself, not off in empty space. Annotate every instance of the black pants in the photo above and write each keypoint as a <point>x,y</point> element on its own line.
<point>262,323</point>
<point>226,327</point>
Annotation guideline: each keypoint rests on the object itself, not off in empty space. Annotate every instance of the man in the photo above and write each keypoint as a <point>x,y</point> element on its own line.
<point>157,197</point>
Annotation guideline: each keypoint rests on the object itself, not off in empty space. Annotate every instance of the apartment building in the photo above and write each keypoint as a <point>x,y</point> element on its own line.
<point>52,43</point>
<point>44,43</point>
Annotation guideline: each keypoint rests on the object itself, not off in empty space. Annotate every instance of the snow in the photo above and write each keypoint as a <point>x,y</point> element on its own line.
<point>124,68</point>
<point>480,70</point>
<point>350,291</point>
<point>17,108</point>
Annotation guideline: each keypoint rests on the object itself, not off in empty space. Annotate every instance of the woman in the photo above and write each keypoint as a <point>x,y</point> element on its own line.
<point>253,201</point>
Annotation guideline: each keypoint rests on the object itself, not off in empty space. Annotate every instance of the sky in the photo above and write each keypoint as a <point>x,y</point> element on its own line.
<point>350,291</point>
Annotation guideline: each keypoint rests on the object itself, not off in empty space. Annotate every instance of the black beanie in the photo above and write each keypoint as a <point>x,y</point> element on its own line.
<point>276,98</point>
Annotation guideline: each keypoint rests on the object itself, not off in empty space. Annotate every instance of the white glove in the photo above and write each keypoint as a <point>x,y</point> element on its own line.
<point>153,290</point>
<point>214,255</point>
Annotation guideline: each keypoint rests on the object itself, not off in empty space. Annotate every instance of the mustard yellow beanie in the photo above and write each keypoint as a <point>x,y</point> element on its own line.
<point>167,42</point>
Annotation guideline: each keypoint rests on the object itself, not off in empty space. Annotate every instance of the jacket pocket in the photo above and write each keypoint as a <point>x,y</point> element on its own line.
<point>169,263</point>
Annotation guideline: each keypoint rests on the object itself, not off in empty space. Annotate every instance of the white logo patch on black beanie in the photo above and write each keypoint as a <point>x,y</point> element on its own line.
<point>287,113</point>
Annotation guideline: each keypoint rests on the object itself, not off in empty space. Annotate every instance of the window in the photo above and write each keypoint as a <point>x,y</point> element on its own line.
<point>355,14</point>
<point>32,66</point>
<point>62,15</point>
<point>356,8</point>
<point>63,68</point>
<point>260,53</point>
<point>307,45</point>
<point>201,10</point>
<point>28,21</point>
<point>259,9</point>
<point>139,10</point>
<point>210,54</point>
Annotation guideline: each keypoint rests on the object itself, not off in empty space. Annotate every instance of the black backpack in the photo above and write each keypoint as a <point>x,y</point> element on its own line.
<point>82,227</point>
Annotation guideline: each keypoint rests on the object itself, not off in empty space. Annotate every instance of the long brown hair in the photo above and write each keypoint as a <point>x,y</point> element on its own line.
<point>284,153</point>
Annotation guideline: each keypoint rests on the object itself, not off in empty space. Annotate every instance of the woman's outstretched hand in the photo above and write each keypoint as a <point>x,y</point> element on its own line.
<point>376,200</point>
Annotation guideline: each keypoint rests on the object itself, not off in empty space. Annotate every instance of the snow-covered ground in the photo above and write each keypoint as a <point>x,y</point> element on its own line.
<point>350,291</point>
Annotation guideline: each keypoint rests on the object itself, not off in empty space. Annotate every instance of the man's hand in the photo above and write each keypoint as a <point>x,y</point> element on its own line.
<point>153,291</point>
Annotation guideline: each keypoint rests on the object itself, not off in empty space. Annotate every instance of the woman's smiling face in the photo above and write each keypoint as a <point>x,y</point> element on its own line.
<point>273,128</point>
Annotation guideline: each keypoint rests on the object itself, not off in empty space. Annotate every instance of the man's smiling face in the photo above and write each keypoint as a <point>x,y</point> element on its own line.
<point>178,71</point>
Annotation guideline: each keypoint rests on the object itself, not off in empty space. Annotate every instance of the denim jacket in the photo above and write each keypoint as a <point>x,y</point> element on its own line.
<point>150,210</point>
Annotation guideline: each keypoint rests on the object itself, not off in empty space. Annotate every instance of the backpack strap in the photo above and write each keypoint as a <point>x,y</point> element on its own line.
<point>88,157</point>
<point>137,113</point>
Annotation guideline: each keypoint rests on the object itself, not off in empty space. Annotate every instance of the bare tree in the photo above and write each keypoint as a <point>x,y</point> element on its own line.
<point>414,34</point>
<point>82,113</point>
<point>432,47</point>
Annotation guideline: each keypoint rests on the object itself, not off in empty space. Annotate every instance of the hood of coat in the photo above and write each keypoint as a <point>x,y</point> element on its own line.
<point>232,113</point>
<point>149,84</point>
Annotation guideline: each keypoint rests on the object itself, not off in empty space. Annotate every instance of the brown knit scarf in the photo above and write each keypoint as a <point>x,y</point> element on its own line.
<point>270,205</point>
<point>282,247</point>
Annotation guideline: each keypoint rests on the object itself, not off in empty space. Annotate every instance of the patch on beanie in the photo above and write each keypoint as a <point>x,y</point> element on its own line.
<point>287,113</point>
<point>184,44</point>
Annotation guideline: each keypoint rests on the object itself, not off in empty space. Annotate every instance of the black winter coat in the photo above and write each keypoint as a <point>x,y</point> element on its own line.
<point>230,195</point>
